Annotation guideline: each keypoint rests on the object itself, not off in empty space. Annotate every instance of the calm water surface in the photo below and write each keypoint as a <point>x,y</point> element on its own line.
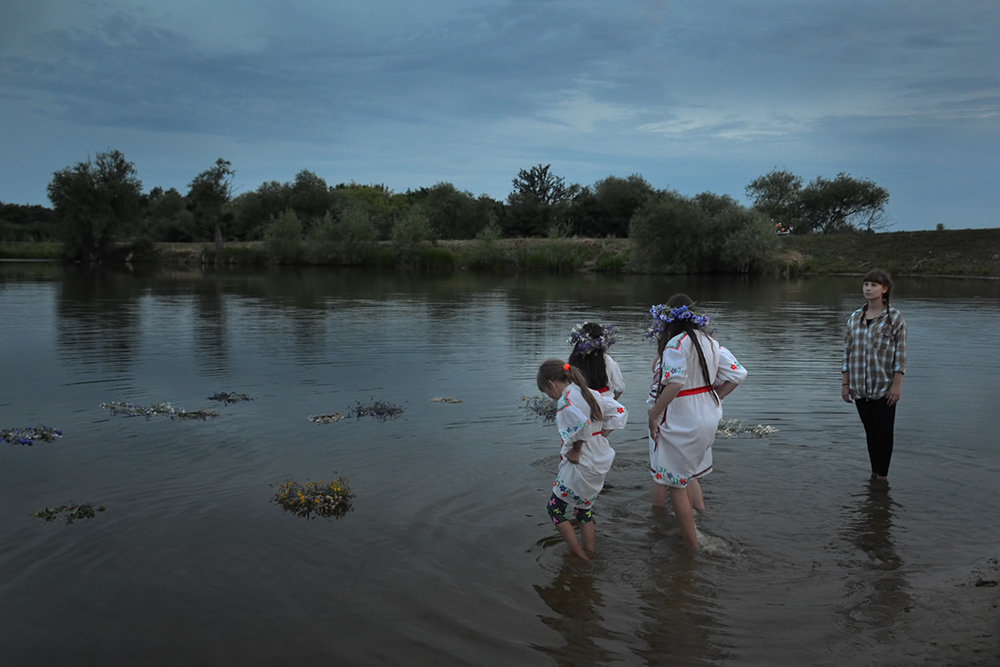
<point>448,556</point>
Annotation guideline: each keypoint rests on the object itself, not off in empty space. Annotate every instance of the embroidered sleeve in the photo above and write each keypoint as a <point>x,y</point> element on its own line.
<point>730,369</point>
<point>674,360</point>
<point>571,421</point>
<point>615,414</point>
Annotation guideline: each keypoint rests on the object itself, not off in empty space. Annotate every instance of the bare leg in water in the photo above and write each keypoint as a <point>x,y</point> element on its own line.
<point>565,529</point>
<point>685,515</point>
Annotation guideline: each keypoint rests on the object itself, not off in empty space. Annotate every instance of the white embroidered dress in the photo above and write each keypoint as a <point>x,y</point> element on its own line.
<point>577,484</point>
<point>615,415</point>
<point>682,449</point>
<point>616,381</point>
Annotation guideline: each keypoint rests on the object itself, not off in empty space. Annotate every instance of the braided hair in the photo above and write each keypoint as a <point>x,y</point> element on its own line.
<point>683,326</point>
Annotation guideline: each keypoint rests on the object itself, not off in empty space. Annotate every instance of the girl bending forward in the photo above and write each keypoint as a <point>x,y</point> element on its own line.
<point>692,374</point>
<point>585,455</point>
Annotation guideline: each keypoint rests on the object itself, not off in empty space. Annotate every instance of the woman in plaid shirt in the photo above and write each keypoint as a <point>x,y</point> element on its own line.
<point>873,366</point>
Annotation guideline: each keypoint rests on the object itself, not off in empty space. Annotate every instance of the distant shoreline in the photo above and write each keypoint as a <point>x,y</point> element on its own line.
<point>962,253</point>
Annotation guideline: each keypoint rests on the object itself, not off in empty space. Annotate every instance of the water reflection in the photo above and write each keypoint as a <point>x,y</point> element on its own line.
<point>681,623</point>
<point>211,331</point>
<point>877,590</point>
<point>576,603</point>
<point>97,322</point>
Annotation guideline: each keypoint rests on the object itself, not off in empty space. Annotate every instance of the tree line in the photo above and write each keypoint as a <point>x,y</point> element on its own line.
<point>99,207</point>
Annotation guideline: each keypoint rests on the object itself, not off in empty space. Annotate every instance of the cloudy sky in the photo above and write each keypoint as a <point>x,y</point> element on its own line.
<point>693,95</point>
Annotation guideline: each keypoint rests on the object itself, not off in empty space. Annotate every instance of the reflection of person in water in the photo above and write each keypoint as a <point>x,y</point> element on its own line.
<point>869,527</point>
<point>680,618</point>
<point>574,599</point>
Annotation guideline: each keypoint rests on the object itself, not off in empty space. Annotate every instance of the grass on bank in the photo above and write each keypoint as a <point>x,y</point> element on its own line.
<point>959,252</point>
<point>965,252</point>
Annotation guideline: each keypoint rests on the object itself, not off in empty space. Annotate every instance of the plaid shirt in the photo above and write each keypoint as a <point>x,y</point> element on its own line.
<point>874,352</point>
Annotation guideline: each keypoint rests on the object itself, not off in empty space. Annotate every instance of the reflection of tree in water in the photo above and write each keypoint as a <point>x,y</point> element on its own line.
<point>681,623</point>
<point>211,347</point>
<point>877,588</point>
<point>576,603</point>
<point>97,321</point>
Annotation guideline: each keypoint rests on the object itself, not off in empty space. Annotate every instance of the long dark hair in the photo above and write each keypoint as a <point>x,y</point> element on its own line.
<point>591,361</point>
<point>683,326</point>
<point>558,371</point>
<point>881,277</point>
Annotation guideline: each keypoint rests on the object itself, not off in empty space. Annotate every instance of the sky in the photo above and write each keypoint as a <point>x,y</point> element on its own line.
<point>694,95</point>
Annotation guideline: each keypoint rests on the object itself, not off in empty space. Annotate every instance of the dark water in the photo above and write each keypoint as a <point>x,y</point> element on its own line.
<point>448,556</point>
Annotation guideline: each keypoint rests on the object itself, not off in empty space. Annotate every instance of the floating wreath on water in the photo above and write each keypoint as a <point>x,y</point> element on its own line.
<point>227,397</point>
<point>28,436</point>
<point>68,513</point>
<point>437,399</point>
<point>378,409</point>
<point>326,419</point>
<point>310,499</point>
<point>730,428</point>
<point>133,410</point>
<point>542,406</point>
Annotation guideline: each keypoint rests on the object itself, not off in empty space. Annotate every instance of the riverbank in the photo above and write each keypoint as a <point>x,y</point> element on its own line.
<point>960,252</point>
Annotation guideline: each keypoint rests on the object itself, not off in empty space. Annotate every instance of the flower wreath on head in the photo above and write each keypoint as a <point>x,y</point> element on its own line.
<point>660,316</point>
<point>583,343</point>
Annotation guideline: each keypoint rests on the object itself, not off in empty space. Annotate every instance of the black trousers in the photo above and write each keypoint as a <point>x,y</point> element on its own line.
<point>879,419</point>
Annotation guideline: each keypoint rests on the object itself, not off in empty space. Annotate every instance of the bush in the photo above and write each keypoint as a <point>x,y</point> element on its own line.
<point>409,234</point>
<point>283,238</point>
<point>708,233</point>
<point>665,233</point>
<point>486,253</point>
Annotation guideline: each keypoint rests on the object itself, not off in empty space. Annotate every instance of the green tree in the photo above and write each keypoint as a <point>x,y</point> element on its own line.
<point>97,204</point>
<point>707,233</point>
<point>665,235</point>
<point>738,239</point>
<point>844,204</point>
<point>777,195</point>
<point>454,214</point>
<point>253,210</point>
<point>377,202</point>
<point>606,208</point>
<point>208,193</point>
<point>538,199</point>
<point>825,205</point>
<point>309,197</point>
<point>167,217</point>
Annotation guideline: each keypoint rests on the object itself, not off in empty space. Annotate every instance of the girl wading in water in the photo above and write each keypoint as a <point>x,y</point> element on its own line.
<point>692,374</point>
<point>873,365</point>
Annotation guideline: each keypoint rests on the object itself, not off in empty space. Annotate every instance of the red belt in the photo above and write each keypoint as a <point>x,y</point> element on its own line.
<point>696,390</point>
<point>688,392</point>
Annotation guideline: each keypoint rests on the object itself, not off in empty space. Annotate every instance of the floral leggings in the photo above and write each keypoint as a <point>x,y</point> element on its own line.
<point>557,511</point>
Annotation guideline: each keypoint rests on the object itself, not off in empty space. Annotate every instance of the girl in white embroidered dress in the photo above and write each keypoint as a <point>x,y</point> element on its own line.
<point>585,455</point>
<point>693,373</point>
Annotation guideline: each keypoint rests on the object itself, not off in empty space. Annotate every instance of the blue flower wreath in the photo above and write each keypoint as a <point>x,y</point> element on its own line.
<point>661,315</point>
<point>582,342</point>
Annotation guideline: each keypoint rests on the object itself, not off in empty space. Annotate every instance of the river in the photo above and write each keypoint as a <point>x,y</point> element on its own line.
<point>447,556</point>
